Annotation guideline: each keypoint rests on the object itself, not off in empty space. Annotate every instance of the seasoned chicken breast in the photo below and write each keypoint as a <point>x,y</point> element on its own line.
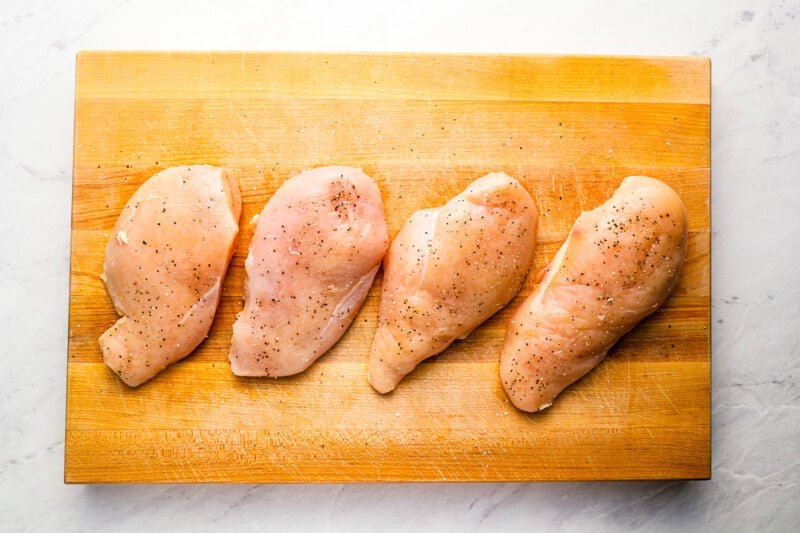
<point>447,271</point>
<point>314,254</point>
<point>164,265</point>
<point>617,265</point>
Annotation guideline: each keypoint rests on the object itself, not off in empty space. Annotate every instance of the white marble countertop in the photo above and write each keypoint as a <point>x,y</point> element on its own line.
<point>754,48</point>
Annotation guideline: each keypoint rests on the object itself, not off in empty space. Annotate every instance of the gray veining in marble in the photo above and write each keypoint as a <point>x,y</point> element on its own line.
<point>755,51</point>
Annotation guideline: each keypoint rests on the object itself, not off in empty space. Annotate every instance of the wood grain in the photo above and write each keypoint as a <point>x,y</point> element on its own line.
<point>424,126</point>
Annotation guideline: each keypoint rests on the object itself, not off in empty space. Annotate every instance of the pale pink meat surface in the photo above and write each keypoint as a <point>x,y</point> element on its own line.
<point>447,271</point>
<point>316,249</point>
<point>164,265</point>
<point>618,264</point>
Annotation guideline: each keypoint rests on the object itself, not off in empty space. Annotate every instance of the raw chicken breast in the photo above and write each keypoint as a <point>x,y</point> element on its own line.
<point>164,266</point>
<point>618,265</point>
<point>315,251</point>
<point>447,271</point>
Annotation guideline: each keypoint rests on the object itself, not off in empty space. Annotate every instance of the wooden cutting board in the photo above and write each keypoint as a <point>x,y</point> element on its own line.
<point>423,126</point>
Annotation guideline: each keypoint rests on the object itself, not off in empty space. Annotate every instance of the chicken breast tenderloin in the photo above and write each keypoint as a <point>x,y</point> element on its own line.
<point>164,266</point>
<point>447,271</point>
<point>314,254</point>
<point>617,266</point>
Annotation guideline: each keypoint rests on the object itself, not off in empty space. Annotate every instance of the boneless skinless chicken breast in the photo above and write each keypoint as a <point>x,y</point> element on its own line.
<point>164,265</point>
<point>447,271</point>
<point>618,265</point>
<point>316,249</point>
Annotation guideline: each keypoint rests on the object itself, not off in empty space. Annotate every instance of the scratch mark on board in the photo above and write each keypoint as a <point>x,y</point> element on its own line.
<point>578,191</point>
<point>356,137</point>
<point>674,407</point>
